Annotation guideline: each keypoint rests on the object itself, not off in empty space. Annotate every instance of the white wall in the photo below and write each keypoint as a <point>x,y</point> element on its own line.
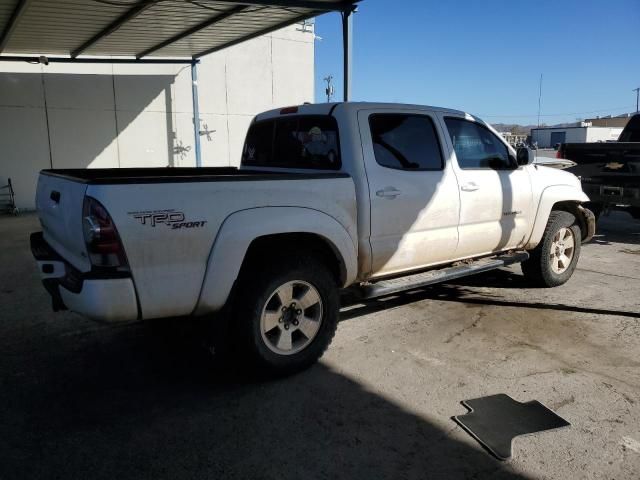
<point>603,134</point>
<point>575,135</point>
<point>116,115</point>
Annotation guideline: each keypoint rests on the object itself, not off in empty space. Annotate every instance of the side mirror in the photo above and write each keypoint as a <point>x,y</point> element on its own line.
<point>525,156</point>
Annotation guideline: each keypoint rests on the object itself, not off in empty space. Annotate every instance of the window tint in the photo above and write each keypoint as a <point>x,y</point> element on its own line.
<point>293,142</point>
<point>406,142</point>
<point>476,146</point>
<point>259,144</point>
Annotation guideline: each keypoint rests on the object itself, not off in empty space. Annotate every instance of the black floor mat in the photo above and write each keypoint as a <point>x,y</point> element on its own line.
<point>497,419</point>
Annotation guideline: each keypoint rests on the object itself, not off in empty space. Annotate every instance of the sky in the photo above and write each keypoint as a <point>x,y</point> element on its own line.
<point>486,57</point>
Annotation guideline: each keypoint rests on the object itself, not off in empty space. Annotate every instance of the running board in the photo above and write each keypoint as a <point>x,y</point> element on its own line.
<point>395,285</point>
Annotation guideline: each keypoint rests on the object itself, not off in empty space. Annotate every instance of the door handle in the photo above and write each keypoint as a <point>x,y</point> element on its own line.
<point>469,187</point>
<point>388,192</point>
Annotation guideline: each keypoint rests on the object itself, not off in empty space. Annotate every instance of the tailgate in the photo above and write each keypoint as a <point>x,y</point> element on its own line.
<point>59,201</point>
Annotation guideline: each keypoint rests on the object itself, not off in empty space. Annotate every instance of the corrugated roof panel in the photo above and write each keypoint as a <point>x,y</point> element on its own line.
<point>134,27</point>
<point>156,25</point>
<point>236,27</point>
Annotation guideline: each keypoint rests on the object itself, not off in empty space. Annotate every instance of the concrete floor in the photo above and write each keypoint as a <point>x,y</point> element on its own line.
<point>85,400</point>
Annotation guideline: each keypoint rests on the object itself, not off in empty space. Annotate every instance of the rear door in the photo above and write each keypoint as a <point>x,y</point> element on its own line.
<point>495,194</point>
<point>413,190</point>
<point>59,202</point>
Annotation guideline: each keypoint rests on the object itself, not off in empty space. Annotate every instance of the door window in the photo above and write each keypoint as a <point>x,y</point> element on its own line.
<point>477,147</point>
<point>405,141</point>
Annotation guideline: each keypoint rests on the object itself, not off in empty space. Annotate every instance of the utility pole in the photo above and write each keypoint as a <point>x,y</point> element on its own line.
<point>637,90</point>
<point>329,90</point>
<point>539,99</point>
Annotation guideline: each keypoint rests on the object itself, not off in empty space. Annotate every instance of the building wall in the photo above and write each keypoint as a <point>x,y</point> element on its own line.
<point>115,115</point>
<point>574,135</point>
<point>603,134</point>
<point>542,136</point>
<point>619,122</point>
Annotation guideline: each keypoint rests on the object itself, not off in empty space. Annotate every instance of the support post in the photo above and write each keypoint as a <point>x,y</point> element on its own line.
<point>196,111</point>
<point>347,46</point>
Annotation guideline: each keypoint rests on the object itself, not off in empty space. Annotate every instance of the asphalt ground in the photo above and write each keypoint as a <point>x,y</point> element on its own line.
<point>80,399</point>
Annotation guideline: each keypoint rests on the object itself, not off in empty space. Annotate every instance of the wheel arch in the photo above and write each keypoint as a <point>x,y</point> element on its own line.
<point>251,234</point>
<point>557,197</point>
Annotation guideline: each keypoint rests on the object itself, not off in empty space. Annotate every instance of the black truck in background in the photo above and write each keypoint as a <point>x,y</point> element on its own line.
<point>610,172</point>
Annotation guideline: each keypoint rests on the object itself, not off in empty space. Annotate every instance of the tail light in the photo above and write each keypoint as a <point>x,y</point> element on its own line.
<point>101,236</point>
<point>288,110</point>
<point>559,152</point>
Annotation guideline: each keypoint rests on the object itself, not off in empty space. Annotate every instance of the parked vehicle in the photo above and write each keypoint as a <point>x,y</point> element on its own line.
<point>379,198</point>
<point>609,171</point>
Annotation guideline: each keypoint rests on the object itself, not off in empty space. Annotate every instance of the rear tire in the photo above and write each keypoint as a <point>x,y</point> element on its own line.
<point>285,314</point>
<point>554,260</point>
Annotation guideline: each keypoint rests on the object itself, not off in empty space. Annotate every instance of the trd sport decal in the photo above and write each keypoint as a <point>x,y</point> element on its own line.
<point>171,218</point>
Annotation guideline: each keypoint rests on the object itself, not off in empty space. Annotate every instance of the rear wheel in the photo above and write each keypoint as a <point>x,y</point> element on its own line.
<point>285,314</point>
<point>554,260</point>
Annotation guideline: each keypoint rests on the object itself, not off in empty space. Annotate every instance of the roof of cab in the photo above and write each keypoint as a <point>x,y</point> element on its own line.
<point>326,108</point>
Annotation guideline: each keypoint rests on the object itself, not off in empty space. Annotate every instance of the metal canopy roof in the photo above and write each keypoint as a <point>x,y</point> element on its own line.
<point>146,28</point>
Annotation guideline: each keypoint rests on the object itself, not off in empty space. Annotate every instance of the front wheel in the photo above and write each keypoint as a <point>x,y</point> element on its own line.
<point>554,260</point>
<point>286,314</point>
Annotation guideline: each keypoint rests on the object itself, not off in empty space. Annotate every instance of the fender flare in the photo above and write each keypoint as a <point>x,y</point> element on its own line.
<point>548,198</point>
<point>240,229</point>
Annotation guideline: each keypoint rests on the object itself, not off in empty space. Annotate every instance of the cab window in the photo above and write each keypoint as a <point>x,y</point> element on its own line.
<point>477,147</point>
<point>405,141</point>
<point>301,141</point>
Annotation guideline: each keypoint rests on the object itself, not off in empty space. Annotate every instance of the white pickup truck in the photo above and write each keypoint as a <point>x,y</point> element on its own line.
<point>375,197</point>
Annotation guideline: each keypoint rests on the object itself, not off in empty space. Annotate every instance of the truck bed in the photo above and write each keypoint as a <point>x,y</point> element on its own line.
<point>115,176</point>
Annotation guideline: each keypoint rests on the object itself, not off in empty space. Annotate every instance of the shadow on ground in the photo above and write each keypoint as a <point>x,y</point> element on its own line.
<point>463,291</point>
<point>146,401</point>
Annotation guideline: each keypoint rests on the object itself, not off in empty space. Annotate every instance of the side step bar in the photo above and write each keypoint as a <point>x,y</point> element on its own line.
<point>395,285</point>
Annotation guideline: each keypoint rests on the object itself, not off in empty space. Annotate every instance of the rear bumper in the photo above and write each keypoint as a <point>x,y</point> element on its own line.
<point>615,194</point>
<point>101,295</point>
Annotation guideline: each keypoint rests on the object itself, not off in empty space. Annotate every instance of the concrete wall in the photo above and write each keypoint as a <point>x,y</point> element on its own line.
<point>107,116</point>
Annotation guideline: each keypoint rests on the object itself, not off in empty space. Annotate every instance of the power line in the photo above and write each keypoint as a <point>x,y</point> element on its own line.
<point>533,115</point>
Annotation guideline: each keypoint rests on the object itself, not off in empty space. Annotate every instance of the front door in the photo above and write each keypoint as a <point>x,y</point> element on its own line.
<point>495,194</point>
<point>413,191</point>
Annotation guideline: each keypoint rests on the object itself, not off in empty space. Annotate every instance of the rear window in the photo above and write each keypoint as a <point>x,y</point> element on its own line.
<point>303,141</point>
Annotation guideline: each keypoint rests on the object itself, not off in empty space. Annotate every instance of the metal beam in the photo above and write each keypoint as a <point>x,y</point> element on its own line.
<point>347,48</point>
<point>46,60</point>
<point>212,21</point>
<point>15,18</point>
<point>115,25</point>
<point>196,112</point>
<point>259,33</point>
<point>316,5</point>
